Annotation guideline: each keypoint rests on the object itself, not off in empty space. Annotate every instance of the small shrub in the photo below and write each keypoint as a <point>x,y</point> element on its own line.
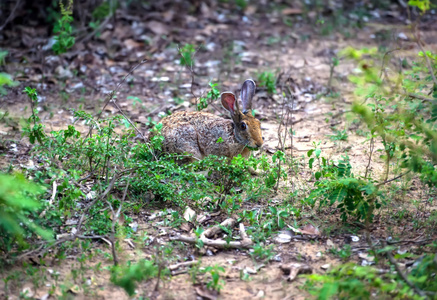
<point>64,39</point>
<point>335,183</point>
<point>18,203</point>
<point>267,80</point>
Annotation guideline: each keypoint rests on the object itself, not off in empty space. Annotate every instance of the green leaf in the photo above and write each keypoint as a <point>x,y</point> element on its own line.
<point>310,162</point>
<point>328,290</point>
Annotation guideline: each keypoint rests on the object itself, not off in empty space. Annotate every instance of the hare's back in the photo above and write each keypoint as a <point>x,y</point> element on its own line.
<point>198,133</point>
<point>182,118</point>
<point>206,125</point>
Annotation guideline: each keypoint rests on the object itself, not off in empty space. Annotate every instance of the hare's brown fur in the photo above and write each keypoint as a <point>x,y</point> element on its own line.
<point>202,134</point>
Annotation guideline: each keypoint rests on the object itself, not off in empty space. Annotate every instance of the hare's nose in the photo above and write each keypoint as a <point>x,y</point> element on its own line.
<point>258,145</point>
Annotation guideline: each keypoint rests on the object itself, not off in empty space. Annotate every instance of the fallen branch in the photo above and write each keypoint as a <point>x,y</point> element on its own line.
<point>246,242</point>
<point>294,269</point>
<point>11,15</point>
<point>393,179</point>
<point>220,244</point>
<point>428,62</point>
<point>409,242</point>
<point>404,277</point>
<point>420,97</point>
<point>182,264</point>
<point>212,231</point>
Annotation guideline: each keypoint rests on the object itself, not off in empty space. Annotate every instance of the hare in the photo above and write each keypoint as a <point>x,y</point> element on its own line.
<point>201,134</point>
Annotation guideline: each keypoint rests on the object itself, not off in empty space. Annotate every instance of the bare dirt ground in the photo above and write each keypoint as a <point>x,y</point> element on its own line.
<point>236,46</point>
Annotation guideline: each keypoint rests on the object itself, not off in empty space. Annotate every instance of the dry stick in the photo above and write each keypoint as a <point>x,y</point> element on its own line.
<point>127,119</point>
<point>372,147</point>
<point>90,35</point>
<point>420,97</point>
<point>112,93</point>
<point>383,60</point>
<point>113,101</point>
<point>182,264</point>
<point>409,242</point>
<point>404,277</point>
<point>244,238</point>
<point>291,133</point>
<point>428,62</point>
<point>246,242</point>
<point>92,171</point>
<point>220,244</point>
<point>190,68</point>
<point>110,99</point>
<point>105,193</point>
<point>160,258</point>
<point>390,180</point>
<point>210,232</point>
<point>11,15</point>
<point>282,142</point>
<point>115,216</point>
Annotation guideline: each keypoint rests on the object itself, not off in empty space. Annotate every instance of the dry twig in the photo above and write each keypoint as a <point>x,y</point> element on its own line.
<point>246,242</point>
<point>11,15</point>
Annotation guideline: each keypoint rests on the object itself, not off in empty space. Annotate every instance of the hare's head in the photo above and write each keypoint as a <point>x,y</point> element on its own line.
<point>247,129</point>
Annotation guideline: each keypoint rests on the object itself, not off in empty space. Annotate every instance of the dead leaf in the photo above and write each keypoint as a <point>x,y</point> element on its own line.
<point>131,44</point>
<point>291,11</point>
<point>283,237</point>
<point>75,289</point>
<point>129,242</point>
<point>206,293</point>
<point>294,269</point>
<point>186,227</point>
<point>306,230</point>
<point>202,218</point>
<point>157,28</point>
<point>189,214</point>
<point>366,256</point>
<point>28,292</point>
<point>251,9</point>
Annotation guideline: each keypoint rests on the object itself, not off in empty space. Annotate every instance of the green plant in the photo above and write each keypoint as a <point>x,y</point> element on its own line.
<point>340,135</point>
<point>104,10</point>
<point>423,5</point>
<point>241,4</point>
<point>35,132</point>
<point>262,253</point>
<point>64,39</point>
<point>335,183</point>
<point>211,96</point>
<point>404,122</point>
<point>3,54</point>
<point>214,282</point>
<point>277,172</point>
<point>344,253</point>
<point>5,79</point>
<point>350,281</point>
<point>18,203</point>
<point>267,80</point>
<point>128,276</point>
<point>227,175</point>
<point>186,53</point>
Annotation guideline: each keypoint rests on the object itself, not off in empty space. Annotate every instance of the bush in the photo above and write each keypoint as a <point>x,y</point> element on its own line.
<point>18,203</point>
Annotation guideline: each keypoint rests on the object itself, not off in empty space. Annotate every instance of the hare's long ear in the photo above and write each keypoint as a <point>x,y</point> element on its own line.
<point>229,102</point>
<point>247,93</point>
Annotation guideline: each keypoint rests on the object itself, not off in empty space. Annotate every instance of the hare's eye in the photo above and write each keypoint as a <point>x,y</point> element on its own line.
<point>243,126</point>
